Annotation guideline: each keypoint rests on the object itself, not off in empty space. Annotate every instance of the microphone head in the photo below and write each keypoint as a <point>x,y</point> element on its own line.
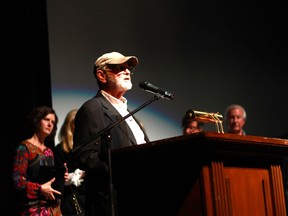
<point>143,84</point>
<point>156,90</point>
<point>170,96</point>
<point>148,86</point>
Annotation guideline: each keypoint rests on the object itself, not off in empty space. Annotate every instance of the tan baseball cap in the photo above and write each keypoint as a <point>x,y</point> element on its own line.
<point>115,58</point>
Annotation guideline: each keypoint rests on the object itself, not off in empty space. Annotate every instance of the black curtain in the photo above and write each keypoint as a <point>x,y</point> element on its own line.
<point>25,79</point>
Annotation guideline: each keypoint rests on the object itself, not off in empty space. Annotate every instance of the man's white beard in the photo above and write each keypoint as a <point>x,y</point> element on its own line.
<point>124,85</point>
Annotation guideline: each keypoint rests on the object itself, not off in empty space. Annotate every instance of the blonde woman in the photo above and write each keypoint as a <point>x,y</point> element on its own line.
<point>73,201</point>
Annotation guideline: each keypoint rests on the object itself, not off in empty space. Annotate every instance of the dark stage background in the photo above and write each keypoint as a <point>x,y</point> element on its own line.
<point>208,54</point>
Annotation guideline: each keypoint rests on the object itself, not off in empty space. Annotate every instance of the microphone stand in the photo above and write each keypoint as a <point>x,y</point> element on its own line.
<point>105,146</point>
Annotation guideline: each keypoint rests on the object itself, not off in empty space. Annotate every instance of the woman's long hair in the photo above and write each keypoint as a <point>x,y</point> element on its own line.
<point>67,130</point>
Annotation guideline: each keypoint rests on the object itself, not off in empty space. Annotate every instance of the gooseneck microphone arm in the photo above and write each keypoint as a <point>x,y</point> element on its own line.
<point>106,129</point>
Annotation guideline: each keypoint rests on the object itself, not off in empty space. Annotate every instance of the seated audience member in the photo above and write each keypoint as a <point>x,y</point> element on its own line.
<point>190,125</point>
<point>235,117</point>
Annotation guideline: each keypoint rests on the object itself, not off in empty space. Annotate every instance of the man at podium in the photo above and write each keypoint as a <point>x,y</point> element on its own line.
<point>92,142</point>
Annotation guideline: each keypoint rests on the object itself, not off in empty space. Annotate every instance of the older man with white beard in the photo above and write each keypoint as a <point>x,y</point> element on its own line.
<point>113,74</point>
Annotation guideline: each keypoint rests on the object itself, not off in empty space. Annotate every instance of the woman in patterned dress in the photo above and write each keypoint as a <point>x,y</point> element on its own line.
<point>36,198</point>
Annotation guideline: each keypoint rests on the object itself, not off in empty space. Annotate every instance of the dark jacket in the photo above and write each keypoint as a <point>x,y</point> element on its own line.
<point>67,203</point>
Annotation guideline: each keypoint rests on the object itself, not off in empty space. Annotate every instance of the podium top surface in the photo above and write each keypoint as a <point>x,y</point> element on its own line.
<point>209,141</point>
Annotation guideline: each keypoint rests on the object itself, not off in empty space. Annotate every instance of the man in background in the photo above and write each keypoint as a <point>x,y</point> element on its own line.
<point>235,117</point>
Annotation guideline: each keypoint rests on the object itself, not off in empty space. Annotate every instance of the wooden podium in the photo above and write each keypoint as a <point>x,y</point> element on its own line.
<point>206,173</point>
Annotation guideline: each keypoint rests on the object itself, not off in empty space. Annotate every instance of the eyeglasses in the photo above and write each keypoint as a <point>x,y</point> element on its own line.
<point>118,68</point>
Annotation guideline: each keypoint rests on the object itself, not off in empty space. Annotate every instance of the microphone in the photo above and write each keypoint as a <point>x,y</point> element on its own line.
<point>155,90</point>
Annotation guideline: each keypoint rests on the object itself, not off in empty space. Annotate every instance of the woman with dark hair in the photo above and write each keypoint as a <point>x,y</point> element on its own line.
<point>36,196</point>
